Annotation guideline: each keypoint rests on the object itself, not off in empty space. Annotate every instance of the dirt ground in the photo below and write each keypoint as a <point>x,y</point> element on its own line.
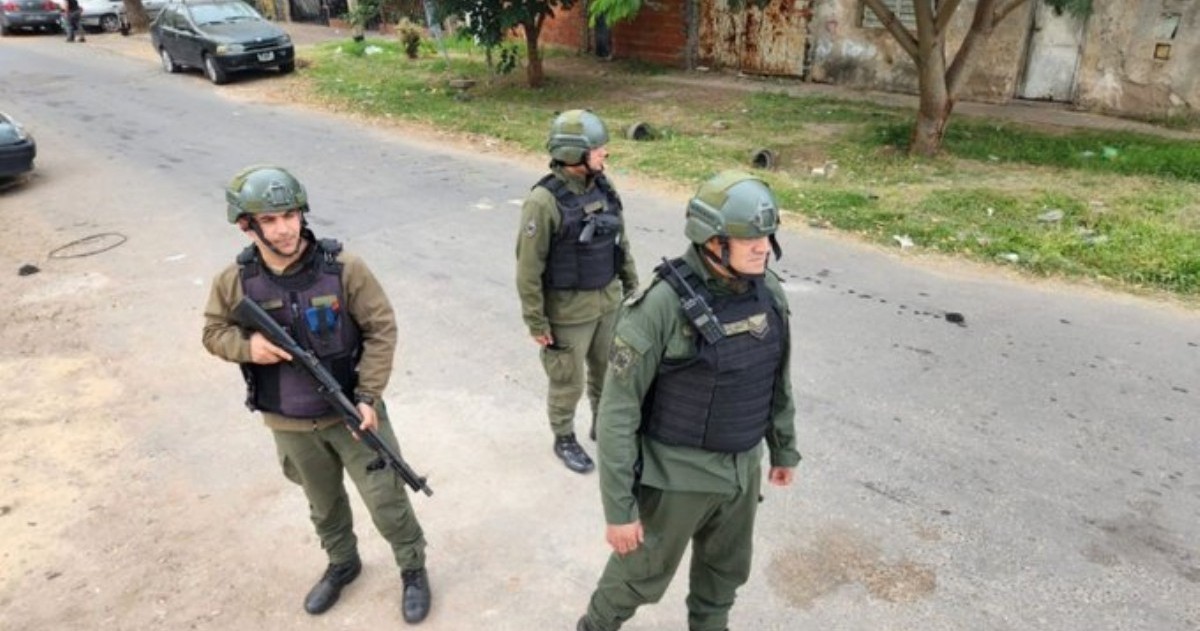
<point>60,449</point>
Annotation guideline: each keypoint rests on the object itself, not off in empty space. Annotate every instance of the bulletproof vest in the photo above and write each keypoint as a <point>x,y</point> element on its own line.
<point>586,251</point>
<point>720,399</point>
<point>311,306</point>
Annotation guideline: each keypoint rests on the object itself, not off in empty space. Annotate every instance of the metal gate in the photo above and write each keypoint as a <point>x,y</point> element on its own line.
<point>1055,42</point>
<point>759,41</point>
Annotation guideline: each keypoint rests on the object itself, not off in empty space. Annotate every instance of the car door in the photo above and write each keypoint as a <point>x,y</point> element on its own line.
<point>191,39</point>
<point>167,32</point>
<point>182,37</point>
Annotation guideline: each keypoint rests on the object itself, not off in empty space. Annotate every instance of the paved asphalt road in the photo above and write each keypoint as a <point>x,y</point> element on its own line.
<point>1030,468</point>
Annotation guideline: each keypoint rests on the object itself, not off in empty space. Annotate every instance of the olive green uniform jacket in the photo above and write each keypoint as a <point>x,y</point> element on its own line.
<point>365,302</point>
<point>540,307</point>
<point>652,327</point>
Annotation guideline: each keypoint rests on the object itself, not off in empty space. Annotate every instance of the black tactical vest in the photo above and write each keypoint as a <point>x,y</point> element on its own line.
<point>720,399</point>
<point>311,307</point>
<point>586,252</point>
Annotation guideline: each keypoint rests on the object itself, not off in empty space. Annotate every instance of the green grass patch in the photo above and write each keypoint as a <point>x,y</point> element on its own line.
<point>1111,152</point>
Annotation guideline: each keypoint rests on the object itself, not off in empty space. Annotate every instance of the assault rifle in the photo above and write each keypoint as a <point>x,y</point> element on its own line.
<point>251,316</point>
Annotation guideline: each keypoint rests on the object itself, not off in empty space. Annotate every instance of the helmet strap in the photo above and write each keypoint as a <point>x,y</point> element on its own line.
<point>262,238</point>
<point>721,262</point>
<point>775,247</point>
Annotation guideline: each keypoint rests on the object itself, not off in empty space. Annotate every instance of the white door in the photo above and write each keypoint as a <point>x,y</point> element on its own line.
<point>1053,59</point>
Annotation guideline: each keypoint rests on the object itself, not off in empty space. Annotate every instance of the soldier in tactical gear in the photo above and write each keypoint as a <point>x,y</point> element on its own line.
<point>332,305</point>
<point>573,268</point>
<point>697,378</point>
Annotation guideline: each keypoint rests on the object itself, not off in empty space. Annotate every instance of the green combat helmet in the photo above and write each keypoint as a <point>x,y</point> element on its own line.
<point>573,133</point>
<point>732,204</point>
<point>264,189</point>
<point>735,205</point>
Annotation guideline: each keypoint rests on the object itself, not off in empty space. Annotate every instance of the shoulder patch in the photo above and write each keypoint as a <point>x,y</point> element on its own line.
<point>531,229</point>
<point>620,357</point>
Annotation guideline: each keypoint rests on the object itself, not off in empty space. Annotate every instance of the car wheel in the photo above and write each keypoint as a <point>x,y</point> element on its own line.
<point>213,71</point>
<point>4,29</point>
<point>168,62</point>
<point>287,66</point>
<point>110,23</point>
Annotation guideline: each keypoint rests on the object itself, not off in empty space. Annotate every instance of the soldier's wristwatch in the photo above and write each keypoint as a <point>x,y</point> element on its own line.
<point>364,398</point>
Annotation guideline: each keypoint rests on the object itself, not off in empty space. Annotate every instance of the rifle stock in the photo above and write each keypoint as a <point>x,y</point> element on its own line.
<point>248,314</point>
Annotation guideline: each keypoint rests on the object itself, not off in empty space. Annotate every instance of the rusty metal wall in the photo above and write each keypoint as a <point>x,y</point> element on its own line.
<point>759,41</point>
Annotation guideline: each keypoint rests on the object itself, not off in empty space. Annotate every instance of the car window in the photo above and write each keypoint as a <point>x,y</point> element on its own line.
<point>221,12</point>
<point>170,18</point>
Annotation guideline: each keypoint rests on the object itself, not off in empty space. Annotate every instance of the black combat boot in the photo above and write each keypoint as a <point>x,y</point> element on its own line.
<point>417,597</point>
<point>325,593</point>
<point>572,455</point>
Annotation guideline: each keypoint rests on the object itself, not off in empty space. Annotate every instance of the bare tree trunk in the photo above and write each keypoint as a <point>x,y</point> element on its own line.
<point>533,70</point>
<point>937,99</point>
<point>932,116</point>
<point>139,22</point>
<point>940,84</point>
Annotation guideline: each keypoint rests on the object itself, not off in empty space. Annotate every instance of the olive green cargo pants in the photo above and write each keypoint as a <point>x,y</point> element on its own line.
<point>720,528</point>
<point>315,460</point>
<point>576,347</point>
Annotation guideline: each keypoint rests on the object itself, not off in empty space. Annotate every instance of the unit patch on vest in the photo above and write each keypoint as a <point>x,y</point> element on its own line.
<point>531,229</point>
<point>756,325</point>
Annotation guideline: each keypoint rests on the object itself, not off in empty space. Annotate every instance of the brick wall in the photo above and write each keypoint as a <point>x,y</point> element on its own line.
<point>566,28</point>
<point>657,35</point>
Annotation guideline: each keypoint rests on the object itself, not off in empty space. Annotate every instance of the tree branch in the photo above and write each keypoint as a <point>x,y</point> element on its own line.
<point>945,13</point>
<point>955,74</point>
<point>926,26</point>
<point>1004,10</point>
<point>903,36</point>
<point>987,16</point>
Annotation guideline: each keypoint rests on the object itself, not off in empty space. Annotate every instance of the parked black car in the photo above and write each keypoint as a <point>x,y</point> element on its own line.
<point>220,37</point>
<point>32,15</point>
<point>17,148</point>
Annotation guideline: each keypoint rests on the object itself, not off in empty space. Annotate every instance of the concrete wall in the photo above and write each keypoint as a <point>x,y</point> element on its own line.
<point>845,53</point>
<point>1118,71</point>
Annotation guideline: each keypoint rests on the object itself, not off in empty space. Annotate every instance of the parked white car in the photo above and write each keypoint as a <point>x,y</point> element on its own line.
<point>105,15</point>
<point>108,15</point>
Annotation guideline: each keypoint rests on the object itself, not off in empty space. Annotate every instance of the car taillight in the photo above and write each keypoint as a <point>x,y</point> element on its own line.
<point>11,7</point>
<point>48,5</point>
